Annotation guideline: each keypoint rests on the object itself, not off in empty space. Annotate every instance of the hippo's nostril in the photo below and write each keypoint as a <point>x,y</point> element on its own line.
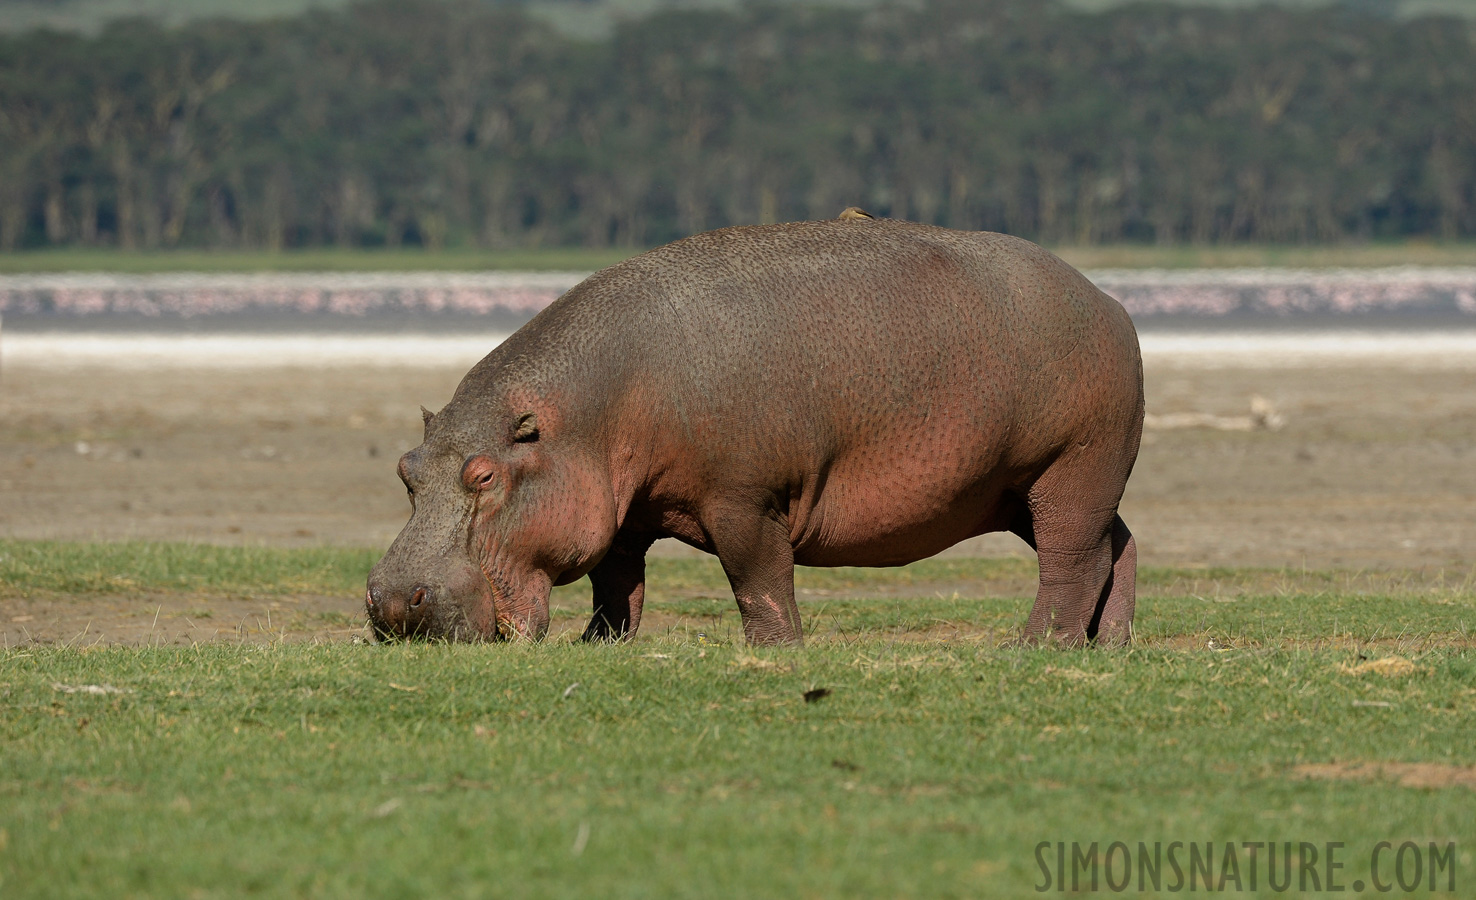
<point>417,598</point>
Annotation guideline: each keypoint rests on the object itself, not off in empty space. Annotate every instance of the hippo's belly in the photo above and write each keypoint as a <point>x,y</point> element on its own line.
<point>889,515</point>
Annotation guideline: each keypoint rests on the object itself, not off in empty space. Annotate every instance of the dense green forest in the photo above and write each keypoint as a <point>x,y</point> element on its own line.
<point>470,123</point>
<point>581,18</point>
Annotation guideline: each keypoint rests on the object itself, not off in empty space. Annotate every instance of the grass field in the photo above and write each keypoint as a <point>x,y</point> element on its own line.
<point>582,259</point>
<point>1255,706</point>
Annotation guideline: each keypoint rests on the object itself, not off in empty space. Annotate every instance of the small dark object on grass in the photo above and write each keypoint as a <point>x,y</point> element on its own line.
<point>816,694</point>
<point>845,765</point>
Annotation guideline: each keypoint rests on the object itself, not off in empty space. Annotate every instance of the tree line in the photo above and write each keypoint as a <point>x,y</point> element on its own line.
<point>466,122</point>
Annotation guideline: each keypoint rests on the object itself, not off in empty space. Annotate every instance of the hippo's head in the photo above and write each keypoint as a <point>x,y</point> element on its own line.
<point>503,506</point>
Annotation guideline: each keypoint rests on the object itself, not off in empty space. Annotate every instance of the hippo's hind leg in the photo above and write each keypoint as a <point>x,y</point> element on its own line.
<point>1113,623</point>
<point>1088,563</point>
<point>758,559</point>
<point>619,583</point>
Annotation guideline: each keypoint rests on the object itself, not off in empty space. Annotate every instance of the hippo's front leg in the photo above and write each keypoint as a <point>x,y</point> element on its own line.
<point>756,554</point>
<point>619,582</point>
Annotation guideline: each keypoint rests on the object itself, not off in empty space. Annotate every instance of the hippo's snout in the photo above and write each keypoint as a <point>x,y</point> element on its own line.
<point>457,605</point>
<point>405,613</point>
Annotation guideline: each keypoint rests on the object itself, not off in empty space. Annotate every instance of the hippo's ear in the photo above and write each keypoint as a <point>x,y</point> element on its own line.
<point>526,430</point>
<point>426,416</point>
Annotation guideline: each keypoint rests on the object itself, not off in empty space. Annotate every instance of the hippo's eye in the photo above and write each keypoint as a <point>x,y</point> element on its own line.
<point>479,473</point>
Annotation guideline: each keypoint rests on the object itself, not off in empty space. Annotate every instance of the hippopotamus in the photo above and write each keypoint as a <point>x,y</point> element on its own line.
<point>851,392</point>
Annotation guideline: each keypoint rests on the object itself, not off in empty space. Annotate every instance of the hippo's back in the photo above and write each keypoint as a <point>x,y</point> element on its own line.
<point>862,328</point>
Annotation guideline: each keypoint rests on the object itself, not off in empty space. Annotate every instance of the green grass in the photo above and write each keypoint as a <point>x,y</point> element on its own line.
<point>579,259</point>
<point>38,567</point>
<point>958,591</point>
<point>55,567</point>
<point>935,766</point>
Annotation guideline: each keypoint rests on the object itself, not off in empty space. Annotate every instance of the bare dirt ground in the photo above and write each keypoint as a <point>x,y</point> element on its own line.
<point>1374,468</point>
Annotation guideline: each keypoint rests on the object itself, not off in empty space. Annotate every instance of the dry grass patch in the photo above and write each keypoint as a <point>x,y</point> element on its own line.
<point>1425,775</point>
<point>1072,673</point>
<point>1389,667</point>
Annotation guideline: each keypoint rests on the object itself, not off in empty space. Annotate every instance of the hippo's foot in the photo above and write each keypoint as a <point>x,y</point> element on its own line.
<point>759,562</point>
<point>770,621</point>
<point>602,629</point>
<point>1087,594</point>
<point>619,583</point>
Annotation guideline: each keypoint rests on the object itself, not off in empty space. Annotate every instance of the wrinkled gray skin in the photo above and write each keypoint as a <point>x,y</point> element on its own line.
<point>853,392</point>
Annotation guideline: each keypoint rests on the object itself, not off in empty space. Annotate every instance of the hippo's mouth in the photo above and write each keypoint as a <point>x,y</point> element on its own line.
<point>503,618</point>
